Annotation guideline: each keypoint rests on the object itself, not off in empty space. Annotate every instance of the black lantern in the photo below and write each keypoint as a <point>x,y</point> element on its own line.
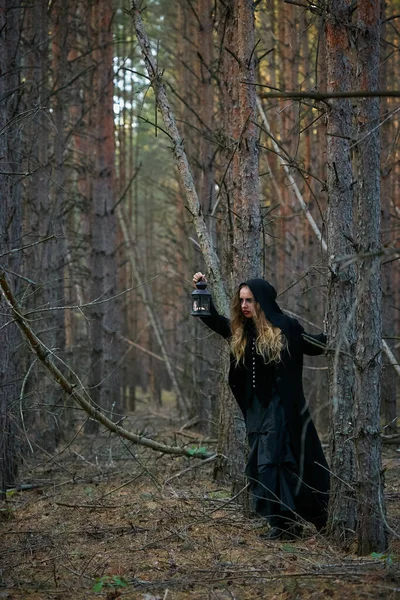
<point>201,300</point>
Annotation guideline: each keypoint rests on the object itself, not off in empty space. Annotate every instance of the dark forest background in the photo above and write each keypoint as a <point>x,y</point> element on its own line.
<point>98,243</point>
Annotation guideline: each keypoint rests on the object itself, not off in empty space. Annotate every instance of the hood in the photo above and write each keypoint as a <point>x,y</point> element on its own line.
<point>265,295</point>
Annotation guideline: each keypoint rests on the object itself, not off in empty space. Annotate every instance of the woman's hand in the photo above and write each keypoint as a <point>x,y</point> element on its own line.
<point>198,277</point>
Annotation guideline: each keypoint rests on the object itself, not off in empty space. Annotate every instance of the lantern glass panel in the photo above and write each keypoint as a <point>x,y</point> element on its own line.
<point>201,301</point>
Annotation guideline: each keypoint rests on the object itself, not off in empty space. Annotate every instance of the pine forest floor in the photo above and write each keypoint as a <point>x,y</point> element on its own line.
<point>110,520</point>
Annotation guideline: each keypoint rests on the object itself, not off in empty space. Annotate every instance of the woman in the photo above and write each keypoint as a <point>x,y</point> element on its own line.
<point>286,467</point>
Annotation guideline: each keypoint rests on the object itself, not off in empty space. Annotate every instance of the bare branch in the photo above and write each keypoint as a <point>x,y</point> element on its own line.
<point>392,18</point>
<point>145,350</point>
<point>345,261</point>
<point>182,162</point>
<point>96,301</point>
<point>44,355</point>
<point>51,237</point>
<point>291,179</point>
<point>127,187</point>
<point>322,96</point>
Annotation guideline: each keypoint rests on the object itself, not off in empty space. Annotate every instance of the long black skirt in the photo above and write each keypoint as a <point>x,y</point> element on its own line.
<point>271,468</point>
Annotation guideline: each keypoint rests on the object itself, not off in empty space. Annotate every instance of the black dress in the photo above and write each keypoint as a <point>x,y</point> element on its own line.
<point>286,468</point>
<point>271,467</point>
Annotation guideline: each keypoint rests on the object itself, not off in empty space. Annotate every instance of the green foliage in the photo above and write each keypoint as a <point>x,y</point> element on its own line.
<point>219,495</point>
<point>146,495</point>
<point>388,558</point>
<point>109,582</point>
<point>202,451</point>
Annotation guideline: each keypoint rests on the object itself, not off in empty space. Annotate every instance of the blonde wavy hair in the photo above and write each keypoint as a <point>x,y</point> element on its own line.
<point>270,340</point>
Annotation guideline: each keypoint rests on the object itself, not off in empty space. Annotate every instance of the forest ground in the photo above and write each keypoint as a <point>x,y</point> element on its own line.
<point>106,519</point>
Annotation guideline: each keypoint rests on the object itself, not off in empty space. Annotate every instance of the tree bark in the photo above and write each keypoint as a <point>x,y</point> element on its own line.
<point>55,253</point>
<point>368,351</point>
<point>103,377</point>
<point>41,218</point>
<point>205,94</point>
<point>80,101</point>
<point>241,248</point>
<point>205,381</point>
<point>340,317</point>
<point>10,235</point>
<point>239,106</point>
<point>388,133</point>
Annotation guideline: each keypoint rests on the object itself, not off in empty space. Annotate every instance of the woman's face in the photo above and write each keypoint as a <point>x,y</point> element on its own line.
<point>247,302</point>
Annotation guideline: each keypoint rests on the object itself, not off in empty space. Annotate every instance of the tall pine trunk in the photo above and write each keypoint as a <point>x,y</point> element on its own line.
<point>242,193</point>
<point>368,351</point>
<point>204,392</point>
<point>37,214</point>
<point>10,236</point>
<point>355,308</point>
<point>388,228</point>
<point>242,113</point>
<point>103,379</point>
<point>341,291</point>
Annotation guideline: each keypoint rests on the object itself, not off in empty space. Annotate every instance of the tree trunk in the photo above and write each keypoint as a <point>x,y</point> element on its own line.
<point>340,316</point>
<point>125,175</point>
<point>368,351</point>
<point>37,212</point>
<point>10,237</point>
<point>103,379</point>
<point>388,133</point>
<point>81,143</point>
<point>242,197</point>
<point>55,252</point>
<point>240,106</point>
<point>205,381</point>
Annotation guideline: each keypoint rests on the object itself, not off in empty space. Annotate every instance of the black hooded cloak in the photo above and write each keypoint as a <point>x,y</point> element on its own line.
<point>286,466</point>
